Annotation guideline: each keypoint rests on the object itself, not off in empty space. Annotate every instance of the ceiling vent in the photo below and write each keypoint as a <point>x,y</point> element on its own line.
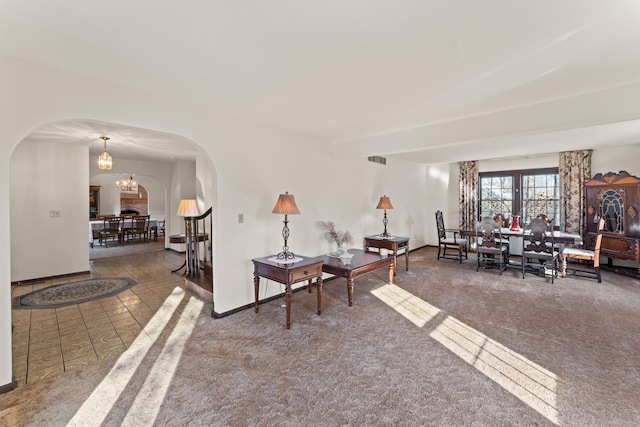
<point>378,159</point>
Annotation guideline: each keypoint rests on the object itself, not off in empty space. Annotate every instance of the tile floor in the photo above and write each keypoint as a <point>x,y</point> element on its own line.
<point>51,341</point>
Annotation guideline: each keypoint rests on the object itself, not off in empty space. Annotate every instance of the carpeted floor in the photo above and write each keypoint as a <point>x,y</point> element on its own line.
<point>444,346</point>
<point>130,248</point>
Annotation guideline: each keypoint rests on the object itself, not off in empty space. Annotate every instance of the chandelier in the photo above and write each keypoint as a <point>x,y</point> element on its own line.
<point>104,160</point>
<point>127,185</point>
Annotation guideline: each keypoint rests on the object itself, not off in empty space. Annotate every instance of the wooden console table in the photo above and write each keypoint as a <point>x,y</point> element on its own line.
<point>288,274</point>
<point>361,263</point>
<point>394,244</point>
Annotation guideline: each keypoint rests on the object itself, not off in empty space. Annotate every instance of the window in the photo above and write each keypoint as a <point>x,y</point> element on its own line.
<point>527,193</point>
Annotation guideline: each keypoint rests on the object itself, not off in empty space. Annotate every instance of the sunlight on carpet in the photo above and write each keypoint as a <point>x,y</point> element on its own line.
<point>418,311</point>
<point>96,408</point>
<point>529,382</point>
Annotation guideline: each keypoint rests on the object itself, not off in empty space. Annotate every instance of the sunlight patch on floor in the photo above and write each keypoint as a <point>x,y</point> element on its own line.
<point>529,382</point>
<point>150,397</point>
<point>418,311</point>
<point>96,408</point>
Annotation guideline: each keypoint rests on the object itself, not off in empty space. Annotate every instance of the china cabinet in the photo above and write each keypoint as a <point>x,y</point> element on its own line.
<point>94,201</point>
<point>614,197</point>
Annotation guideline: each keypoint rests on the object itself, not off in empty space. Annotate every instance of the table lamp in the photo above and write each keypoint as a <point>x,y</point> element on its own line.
<point>385,204</point>
<point>188,208</point>
<point>286,205</point>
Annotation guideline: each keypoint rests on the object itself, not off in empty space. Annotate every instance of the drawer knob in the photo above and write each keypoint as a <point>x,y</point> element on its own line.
<point>306,272</point>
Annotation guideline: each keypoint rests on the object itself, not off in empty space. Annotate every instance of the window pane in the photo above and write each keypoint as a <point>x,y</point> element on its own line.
<point>496,195</point>
<point>540,196</point>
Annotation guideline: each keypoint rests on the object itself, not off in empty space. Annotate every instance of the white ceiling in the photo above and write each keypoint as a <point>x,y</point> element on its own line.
<point>342,69</point>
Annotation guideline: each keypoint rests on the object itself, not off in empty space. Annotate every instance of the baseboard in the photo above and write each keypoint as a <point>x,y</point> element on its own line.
<point>9,387</point>
<point>42,279</point>
<point>217,315</point>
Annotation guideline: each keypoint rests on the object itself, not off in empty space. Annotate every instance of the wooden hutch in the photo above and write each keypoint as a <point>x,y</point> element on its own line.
<point>94,201</point>
<point>614,197</point>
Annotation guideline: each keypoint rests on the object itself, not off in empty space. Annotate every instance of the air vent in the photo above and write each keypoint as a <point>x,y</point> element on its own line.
<point>378,159</point>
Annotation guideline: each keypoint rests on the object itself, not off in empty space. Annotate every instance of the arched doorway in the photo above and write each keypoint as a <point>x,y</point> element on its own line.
<point>53,170</point>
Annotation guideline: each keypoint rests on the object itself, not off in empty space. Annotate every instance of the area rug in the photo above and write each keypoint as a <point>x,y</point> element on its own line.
<point>72,293</point>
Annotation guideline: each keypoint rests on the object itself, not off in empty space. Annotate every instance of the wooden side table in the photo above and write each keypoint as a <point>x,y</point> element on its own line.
<point>391,243</point>
<point>288,274</point>
<point>361,263</point>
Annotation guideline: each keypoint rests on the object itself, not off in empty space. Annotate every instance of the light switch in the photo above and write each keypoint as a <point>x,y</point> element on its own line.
<point>240,218</point>
<point>54,214</point>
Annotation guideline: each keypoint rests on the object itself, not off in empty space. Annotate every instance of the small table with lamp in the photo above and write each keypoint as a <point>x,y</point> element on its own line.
<point>288,272</point>
<point>391,243</point>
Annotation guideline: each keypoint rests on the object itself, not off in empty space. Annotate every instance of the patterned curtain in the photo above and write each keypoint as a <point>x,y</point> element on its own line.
<point>468,194</point>
<point>574,170</point>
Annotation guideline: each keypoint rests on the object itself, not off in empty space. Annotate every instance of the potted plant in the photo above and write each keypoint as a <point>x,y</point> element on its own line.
<point>330,234</point>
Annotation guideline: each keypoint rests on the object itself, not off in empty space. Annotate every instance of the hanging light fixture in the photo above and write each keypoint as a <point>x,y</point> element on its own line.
<point>104,160</point>
<point>127,185</point>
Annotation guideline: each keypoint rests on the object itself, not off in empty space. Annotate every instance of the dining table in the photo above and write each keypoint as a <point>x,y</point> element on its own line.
<point>96,225</point>
<point>515,242</point>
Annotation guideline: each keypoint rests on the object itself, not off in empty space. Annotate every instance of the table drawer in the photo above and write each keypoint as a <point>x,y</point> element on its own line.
<point>305,273</point>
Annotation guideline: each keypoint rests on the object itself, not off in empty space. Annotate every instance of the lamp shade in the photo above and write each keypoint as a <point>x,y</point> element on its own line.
<point>384,203</point>
<point>286,205</point>
<point>188,208</point>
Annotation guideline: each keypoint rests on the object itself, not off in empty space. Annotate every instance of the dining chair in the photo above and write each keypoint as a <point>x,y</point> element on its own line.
<point>538,245</point>
<point>139,227</point>
<point>491,247</point>
<point>592,256</point>
<point>456,243</point>
<point>112,229</point>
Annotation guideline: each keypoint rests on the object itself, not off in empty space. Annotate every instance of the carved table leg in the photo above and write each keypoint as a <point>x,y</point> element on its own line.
<point>395,261</point>
<point>391,273</point>
<point>319,290</point>
<point>350,290</point>
<point>406,257</point>
<point>256,286</point>
<point>287,299</point>
<point>564,266</point>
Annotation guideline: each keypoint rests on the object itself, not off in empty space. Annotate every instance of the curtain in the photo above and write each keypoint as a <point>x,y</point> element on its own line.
<point>468,194</point>
<point>574,170</point>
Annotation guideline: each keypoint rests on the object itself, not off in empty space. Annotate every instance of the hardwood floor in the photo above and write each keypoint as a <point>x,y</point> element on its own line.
<point>47,342</point>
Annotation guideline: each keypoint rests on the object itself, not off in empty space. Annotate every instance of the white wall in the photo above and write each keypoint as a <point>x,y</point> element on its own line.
<point>616,159</point>
<point>537,162</point>
<point>46,177</point>
<point>343,190</point>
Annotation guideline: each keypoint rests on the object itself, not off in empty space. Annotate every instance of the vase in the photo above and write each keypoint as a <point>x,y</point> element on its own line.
<point>515,223</point>
<point>340,248</point>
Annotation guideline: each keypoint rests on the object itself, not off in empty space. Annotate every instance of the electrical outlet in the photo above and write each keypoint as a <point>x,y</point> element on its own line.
<point>240,218</point>
<point>54,214</point>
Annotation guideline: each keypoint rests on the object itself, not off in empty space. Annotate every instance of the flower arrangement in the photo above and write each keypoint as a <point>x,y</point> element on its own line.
<point>329,232</point>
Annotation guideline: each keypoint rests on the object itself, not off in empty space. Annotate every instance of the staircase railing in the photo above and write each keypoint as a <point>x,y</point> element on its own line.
<point>196,232</point>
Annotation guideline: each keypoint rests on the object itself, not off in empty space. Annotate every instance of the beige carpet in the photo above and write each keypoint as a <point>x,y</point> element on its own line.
<point>446,346</point>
